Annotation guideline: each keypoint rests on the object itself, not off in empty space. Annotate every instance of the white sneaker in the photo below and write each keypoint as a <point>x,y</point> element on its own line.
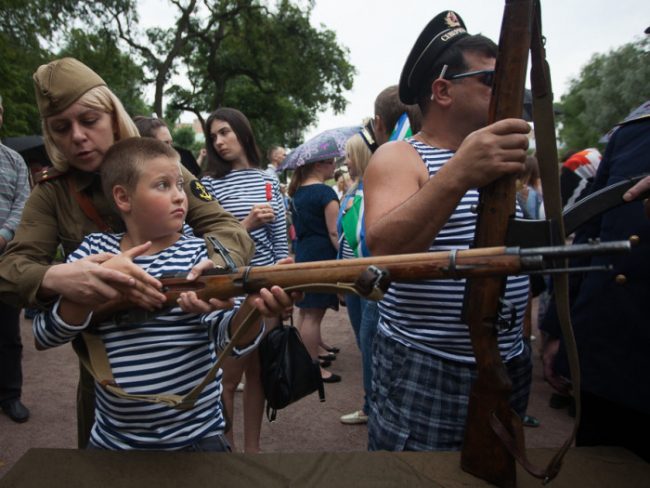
<point>354,418</point>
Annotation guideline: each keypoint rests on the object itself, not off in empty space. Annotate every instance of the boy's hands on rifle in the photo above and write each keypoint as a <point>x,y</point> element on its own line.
<point>491,152</point>
<point>275,301</point>
<point>191,303</point>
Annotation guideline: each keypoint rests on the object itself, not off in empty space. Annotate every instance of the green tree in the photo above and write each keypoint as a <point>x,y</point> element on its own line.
<point>120,72</point>
<point>28,31</point>
<point>608,88</point>
<point>272,65</point>
<point>184,137</point>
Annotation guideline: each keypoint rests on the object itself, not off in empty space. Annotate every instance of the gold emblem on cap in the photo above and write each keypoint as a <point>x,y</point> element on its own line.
<point>451,20</point>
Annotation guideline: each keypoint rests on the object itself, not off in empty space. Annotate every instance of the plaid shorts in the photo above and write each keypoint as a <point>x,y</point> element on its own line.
<point>419,402</point>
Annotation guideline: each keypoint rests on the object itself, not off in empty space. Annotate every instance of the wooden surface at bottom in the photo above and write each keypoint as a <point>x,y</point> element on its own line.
<point>592,467</point>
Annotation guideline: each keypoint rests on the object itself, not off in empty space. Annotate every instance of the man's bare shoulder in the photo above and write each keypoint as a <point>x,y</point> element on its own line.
<point>396,159</point>
<point>393,151</point>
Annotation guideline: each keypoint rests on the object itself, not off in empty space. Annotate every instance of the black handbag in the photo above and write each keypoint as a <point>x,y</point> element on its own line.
<point>288,371</point>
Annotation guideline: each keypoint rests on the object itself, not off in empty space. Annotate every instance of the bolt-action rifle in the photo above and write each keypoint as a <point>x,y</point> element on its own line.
<point>493,431</point>
<point>366,276</point>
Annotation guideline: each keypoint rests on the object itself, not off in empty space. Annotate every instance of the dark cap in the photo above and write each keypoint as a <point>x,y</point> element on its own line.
<point>444,30</point>
<point>60,83</point>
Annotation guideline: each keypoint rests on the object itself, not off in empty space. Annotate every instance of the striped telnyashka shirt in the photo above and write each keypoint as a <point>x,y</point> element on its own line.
<point>238,192</point>
<point>169,354</point>
<point>426,315</point>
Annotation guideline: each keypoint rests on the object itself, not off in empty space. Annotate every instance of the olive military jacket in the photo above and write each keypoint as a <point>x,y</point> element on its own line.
<point>52,216</point>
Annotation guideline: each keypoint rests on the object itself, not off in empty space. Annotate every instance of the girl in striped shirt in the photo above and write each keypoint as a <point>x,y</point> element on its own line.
<point>234,177</point>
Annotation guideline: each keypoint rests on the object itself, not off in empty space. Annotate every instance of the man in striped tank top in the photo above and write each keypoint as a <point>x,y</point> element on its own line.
<point>418,197</point>
<point>173,351</point>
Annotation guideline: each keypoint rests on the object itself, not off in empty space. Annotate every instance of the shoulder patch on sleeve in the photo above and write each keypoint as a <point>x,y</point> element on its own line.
<point>199,191</point>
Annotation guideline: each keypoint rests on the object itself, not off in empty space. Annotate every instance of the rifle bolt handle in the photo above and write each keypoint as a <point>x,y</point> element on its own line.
<point>620,279</point>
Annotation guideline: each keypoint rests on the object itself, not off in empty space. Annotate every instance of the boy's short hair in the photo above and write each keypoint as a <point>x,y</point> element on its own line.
<point>122,162</point>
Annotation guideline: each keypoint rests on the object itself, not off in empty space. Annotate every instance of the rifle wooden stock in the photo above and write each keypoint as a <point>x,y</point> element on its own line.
<point>483,453</point>
<point>437,265</point>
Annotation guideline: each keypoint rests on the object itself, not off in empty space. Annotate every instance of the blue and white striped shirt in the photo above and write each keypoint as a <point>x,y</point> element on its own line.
<point>426,315</point>
<point>14,190</point>
<point>238,192</point>
<point>169,354</point>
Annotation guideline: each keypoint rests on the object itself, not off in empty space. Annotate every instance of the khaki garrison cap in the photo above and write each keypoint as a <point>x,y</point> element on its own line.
<point>61,82</point>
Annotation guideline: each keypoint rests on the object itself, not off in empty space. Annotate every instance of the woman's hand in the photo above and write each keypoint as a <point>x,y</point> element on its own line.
<point>261,214</point>
<point>97,279</point>
<point>145,291</point>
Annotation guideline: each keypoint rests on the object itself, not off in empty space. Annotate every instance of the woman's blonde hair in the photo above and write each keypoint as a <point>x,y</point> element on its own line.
<point>359,152</point>
<point>98,98</point>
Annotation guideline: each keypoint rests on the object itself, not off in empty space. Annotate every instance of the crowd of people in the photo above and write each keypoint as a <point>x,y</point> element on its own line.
<point>124,212</point>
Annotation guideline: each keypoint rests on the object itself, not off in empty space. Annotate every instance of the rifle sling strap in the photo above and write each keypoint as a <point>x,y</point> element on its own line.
<point>549,170</point>
<point>92,353</point>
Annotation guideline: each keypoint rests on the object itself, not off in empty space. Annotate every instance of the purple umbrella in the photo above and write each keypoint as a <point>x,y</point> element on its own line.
<point>326,145</point>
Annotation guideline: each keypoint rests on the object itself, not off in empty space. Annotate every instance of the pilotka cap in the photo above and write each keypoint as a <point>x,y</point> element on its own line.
<point>60,83</point>
<point>445,29</point>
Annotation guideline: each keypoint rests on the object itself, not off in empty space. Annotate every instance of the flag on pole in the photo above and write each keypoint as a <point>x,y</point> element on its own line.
<point>402,129</point>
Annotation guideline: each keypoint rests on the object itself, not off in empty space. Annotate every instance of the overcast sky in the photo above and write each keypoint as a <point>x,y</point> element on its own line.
<point>380,33</point>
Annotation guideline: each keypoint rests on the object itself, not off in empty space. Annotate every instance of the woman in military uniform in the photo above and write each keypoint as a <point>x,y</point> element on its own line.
<point>82,118</point>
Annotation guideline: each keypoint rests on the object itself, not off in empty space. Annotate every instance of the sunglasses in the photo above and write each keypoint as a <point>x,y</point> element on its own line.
<point>486,76</point>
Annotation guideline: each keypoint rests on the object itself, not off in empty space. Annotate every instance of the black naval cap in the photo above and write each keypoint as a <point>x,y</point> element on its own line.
<point>445,29</point>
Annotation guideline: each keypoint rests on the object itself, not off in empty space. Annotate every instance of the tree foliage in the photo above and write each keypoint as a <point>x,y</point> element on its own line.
<point>30,31</point>
<point>100,52</point>
<point>608,88</point>
<point>260,56</point>
<point>272,65</point>
<point>184,136</point>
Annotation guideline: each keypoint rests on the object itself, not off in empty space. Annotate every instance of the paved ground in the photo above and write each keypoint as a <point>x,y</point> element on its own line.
<point>51,376</point>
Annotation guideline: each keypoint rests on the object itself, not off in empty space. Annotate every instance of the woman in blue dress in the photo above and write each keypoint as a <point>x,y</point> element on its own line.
<point>234,177</point>
<point>314,208</point>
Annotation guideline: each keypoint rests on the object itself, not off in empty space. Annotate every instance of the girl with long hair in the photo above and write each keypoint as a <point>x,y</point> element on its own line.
<point>234,177</point>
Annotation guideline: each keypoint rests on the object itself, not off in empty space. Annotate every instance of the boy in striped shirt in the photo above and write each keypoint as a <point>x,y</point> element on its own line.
<point>172,352</point>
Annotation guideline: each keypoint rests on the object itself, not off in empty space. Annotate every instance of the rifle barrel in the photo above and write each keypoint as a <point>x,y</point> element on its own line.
<point>455,264</point>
